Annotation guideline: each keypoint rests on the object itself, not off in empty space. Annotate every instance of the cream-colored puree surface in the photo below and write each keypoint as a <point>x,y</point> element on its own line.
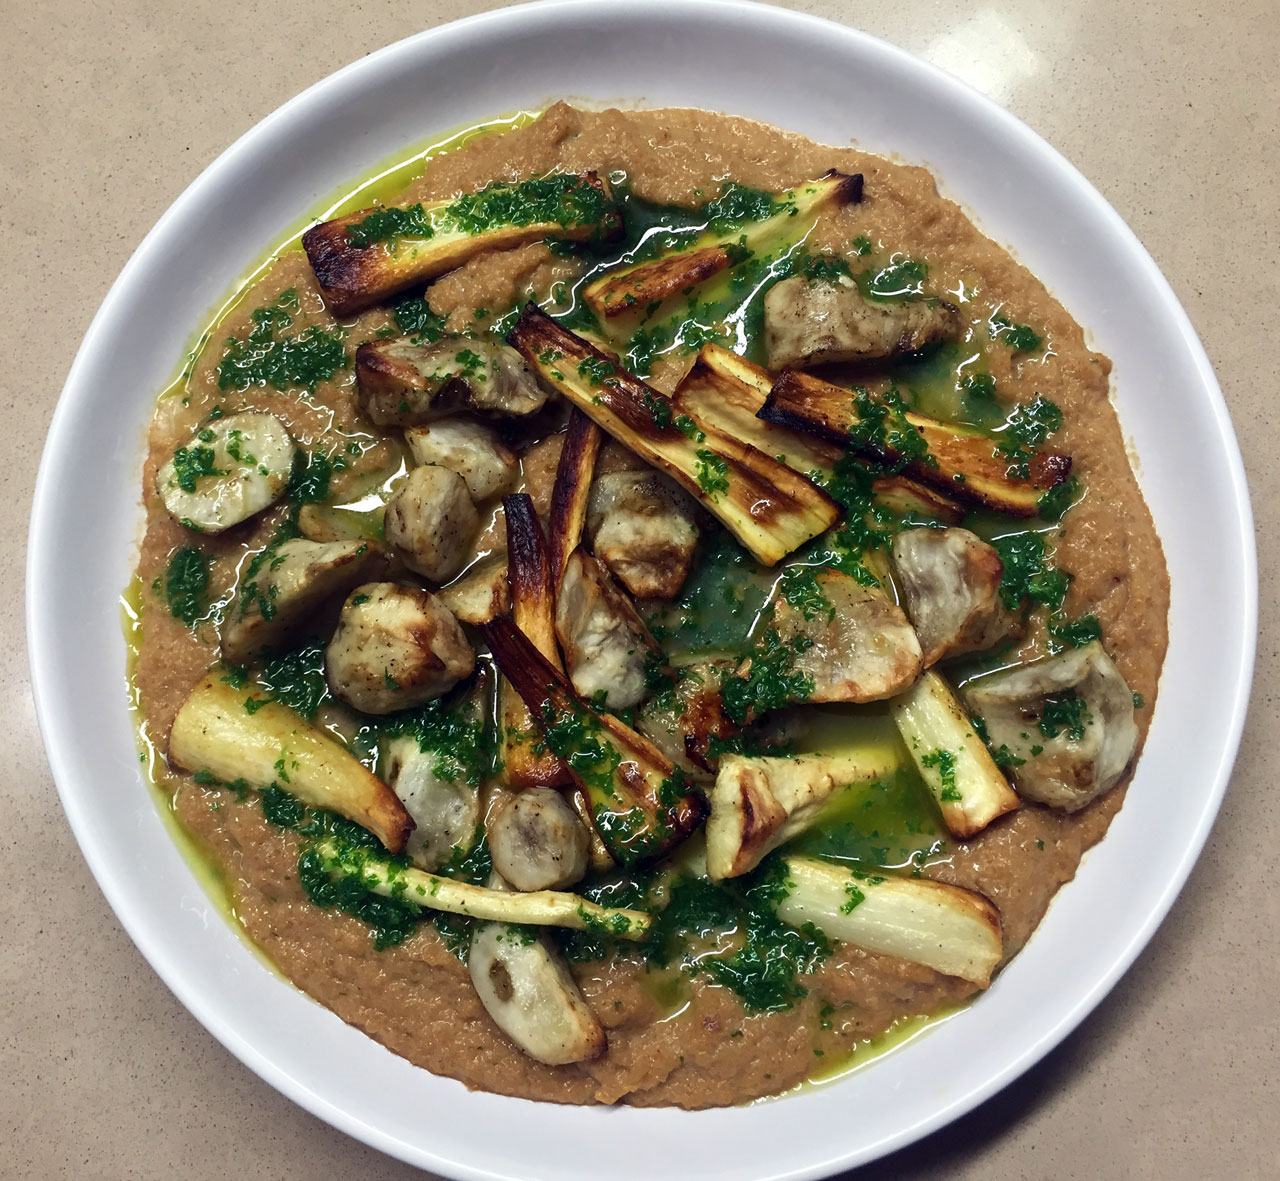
<point>416,998</point>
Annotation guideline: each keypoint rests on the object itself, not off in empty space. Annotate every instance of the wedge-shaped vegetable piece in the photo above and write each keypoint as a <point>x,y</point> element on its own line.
<point>481,593</point>
<point>446,812</point>
<point>952,759</point>
<point>903,495</point>
<point>644,527</point>
<point>768,507</point>
<point>538,908</point>
<point>214,732</point>
<point>638,285</point>
<point>323,522</point>
<point>227,471</point>
<point>600,859</point>
<point>959,462</point>
<point>682,723</point>
<point>758,804</point>
<point>526,987</point>
<point>944,927</point>
<point>470,448</point>
<point>640,803</point>
<point>1067,722</point>
<point>431,523</point>
<point>363,258</point>
<point>537,841</point>
<point>572,490</point>
<point>406,383</point>
<point>284,587</point>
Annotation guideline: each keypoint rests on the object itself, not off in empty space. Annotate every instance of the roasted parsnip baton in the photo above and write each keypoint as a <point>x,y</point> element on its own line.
<point>953,761</point>
<point>640,803</point>
<point>769,508</point>
<point>949,929</point>
<point>962,463</point>
<point>362,258</point>
<point>572,490</point>
<point>538,908</point>
<point>214,733</point>
<point>903,495</point>
<point>638,285</point>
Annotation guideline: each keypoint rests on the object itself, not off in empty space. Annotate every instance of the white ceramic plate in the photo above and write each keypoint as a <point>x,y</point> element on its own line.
<point>832,84</point>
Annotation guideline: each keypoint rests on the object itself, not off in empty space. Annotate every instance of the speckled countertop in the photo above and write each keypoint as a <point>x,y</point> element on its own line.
<point>1170,108</point>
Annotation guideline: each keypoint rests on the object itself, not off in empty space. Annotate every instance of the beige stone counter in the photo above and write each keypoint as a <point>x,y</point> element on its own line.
<point>1171,109</point>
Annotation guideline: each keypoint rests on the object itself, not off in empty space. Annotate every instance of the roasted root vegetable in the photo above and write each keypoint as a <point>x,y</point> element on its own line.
<point>215,735</point>
<point>571,492</point>
<point>683,722</point>
<point>405,382</point>
<point>819,321</point>
<point>537,841</point>
<point>431,522</point>
<point>952,759</point>
<point>446,811</point>
<point>638,285</point>
<point>538,908</point>
<point>768,507</point>
<point>640,803</point>
<point>905,496</point>
<point>471,449</point>
<point>285,585</point>
<point>481,593</point>
<point>949,929</point>
<point>962,463</point>
<point>644,527</point>
<point>363,258</point>
<point>227,471</point>
<point>526,987</point>
<point>758,804</point>
<point>1064,724</point>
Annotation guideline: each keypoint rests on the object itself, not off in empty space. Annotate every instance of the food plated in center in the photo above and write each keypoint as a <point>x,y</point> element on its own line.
<point>643,612</point>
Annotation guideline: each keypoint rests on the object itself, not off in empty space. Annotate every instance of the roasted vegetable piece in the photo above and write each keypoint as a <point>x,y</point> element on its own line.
<point>285,586</point>
<point>481,593</point>
<point>538,842</point>
<point>538,908</point>
<point>852,640</point>
<point>471,449</point>
<point>950,583</point>
<point>403,382</point>
<point>758,804</point>
<point>324,522</point>
<point>902,495</point>
<point>227,471</point>
<point>446,811</point>
<point>949,929</point>
<point>431,522</point>
<point>526,987</point>
<point>643,526</point>
<point>604,640</point>
<point>640,803</point>
<point>682,723</point>
<point>363,258</point>
<point>815,322</point>
<point>533,608</point>
<point>638,286</point>
<point>1067,721</point>
<point>395,647</point>
<point>214,733</point>
<point>952,759</point>
<point>572,490</point>
<point>960,462</point>
<point>768,507</point>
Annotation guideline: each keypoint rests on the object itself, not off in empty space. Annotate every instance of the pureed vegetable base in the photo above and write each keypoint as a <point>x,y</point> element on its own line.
<point>724,1002</point>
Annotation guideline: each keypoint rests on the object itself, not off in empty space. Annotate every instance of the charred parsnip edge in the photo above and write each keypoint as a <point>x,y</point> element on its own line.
<point>947,928</point>
<point>572,490</point>
<point>953,761</point>
<point>637,286</point>
<point>768,507</point>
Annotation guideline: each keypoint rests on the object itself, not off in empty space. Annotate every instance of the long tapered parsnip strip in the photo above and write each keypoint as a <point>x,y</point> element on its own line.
<point>572,490</point>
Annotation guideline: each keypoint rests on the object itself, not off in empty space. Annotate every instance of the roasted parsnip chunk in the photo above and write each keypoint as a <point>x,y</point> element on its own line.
<point>363,258</point>
<point>682,722</point>
<point>758,804</point>
<point>960,462</point>
<point>323,522</point>
<point>227,471</point>
<point>952,759</point>
<point>1066,723</point>
<point>604,640</point>
<point>640,803</point>
<point>950,584</point>
<point>395,647</point>
<point>446,811</point>
<point>213,732</point>
<point>538,842</point>
<point>644,527</point>
<point>571,492</point>
<point>286,585</point>
<point>902,495</point>
<point>481,593</point>
<point>526,987</point>
<point>639,285</point>
<point>403,382</point>
<point>768,507</point>
<point>471,449</point>
<point>946,928</point>
<point>817,321</point>
<point>431,522</point>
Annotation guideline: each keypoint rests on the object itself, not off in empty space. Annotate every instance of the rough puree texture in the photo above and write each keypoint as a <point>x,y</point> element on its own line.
<point>416,998</point>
